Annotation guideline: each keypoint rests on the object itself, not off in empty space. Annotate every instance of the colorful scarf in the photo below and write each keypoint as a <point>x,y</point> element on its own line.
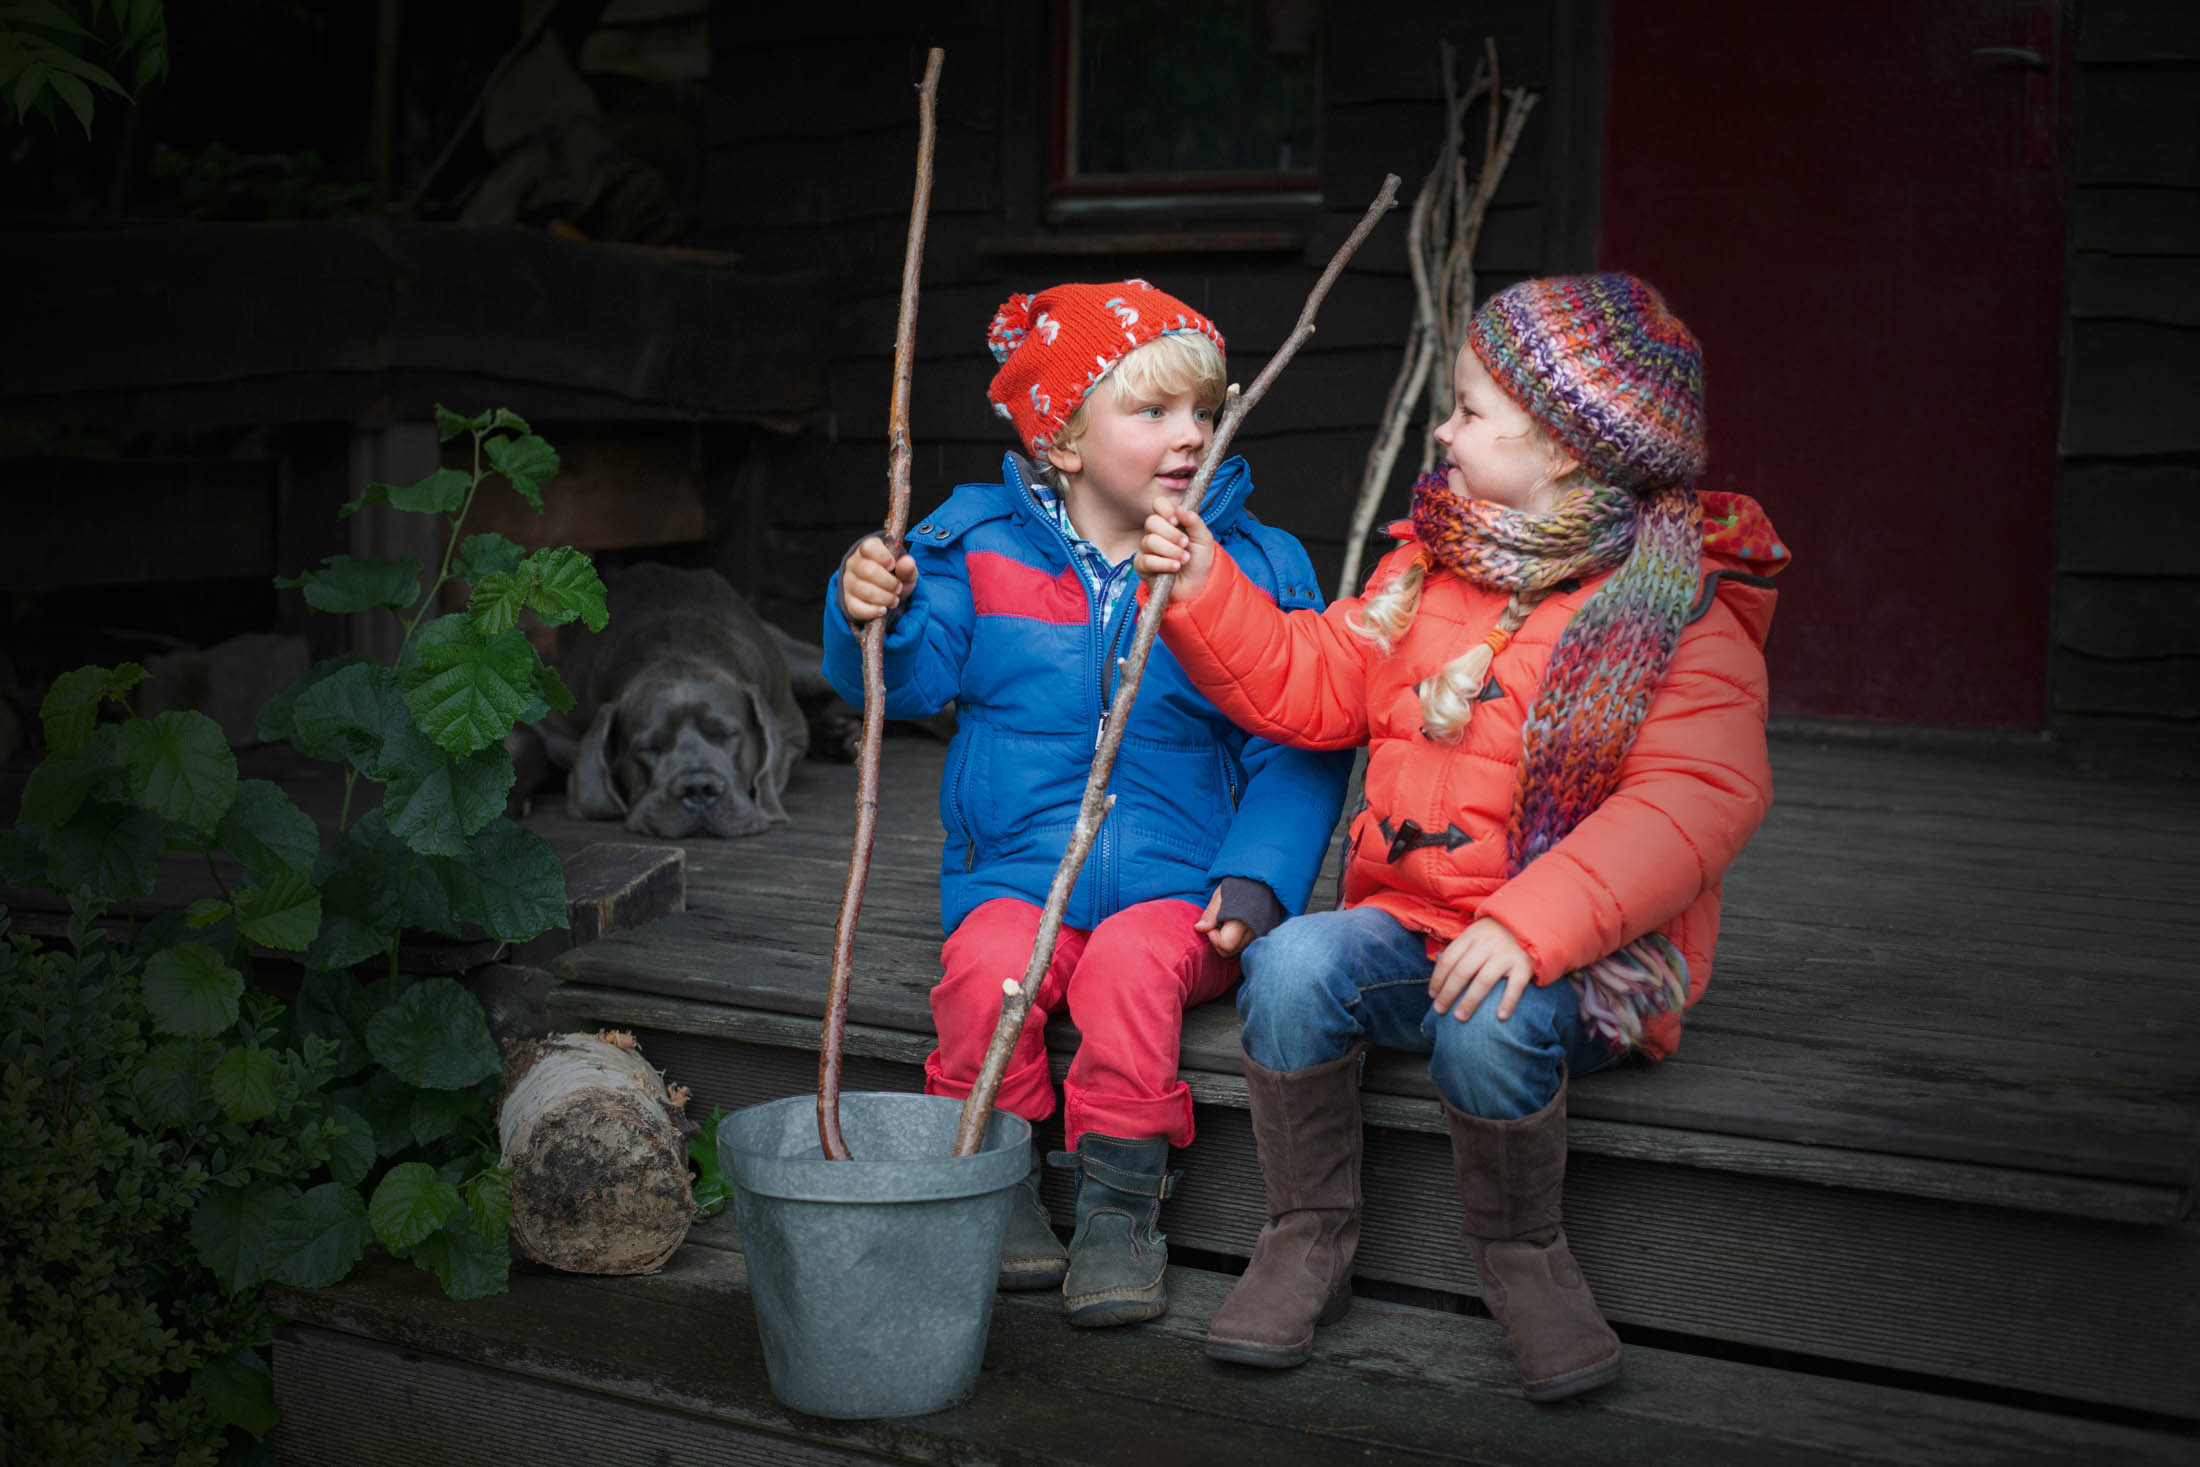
<point>1598,686</point>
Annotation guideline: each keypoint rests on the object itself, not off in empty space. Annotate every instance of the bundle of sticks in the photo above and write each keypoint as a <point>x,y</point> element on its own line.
<point>1442,231</point>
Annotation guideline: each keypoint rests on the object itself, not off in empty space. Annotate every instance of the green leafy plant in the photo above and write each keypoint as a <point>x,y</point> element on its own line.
<point>47,51</point>
<point>712,1186</point>
<point>259,1139</point>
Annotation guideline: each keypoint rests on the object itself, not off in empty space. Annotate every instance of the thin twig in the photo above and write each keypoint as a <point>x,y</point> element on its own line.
<point>1445,231</point>
<point>1016,998</point>
<point>833,1033</point>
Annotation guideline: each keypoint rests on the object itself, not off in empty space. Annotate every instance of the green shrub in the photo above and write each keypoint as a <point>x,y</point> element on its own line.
<point>176,1136</point>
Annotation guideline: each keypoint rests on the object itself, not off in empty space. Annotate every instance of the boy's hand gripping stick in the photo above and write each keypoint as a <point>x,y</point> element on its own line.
<point>834,1031</point>
<point>1015,997</point>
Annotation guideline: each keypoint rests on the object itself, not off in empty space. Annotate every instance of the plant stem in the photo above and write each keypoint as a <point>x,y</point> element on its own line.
<point>343,813</point>
<point>450,550</point>
<point>833,1031</point>
<point>1016,1004</point>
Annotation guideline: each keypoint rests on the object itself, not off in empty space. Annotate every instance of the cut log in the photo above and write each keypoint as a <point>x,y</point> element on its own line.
<point>596,1144</point>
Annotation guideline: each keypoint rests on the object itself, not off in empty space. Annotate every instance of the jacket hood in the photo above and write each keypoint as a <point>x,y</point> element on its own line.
<point>1741,555</point>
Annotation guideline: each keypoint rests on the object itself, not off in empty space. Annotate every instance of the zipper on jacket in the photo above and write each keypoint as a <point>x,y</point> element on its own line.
<point>955,803</point>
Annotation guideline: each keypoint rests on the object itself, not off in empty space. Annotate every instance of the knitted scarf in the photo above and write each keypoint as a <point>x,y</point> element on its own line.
<point>1607,664</point>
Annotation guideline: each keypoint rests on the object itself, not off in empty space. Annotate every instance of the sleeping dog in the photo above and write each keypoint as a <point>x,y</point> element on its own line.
<point>690,724</point>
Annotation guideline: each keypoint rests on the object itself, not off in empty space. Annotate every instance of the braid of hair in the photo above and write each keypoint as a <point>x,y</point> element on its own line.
<point>1448,698</point>
<point>1385,614</point>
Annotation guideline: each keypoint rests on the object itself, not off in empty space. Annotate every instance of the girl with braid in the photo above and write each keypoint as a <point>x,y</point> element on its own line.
<point>1560,680</point>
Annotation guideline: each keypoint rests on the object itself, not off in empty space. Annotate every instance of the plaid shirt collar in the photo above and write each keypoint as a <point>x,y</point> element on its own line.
<point>1107,579</point>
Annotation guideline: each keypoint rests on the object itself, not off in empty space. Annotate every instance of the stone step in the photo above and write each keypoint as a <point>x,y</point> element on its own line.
<point>667,1370</point>
<point>1696,1235</point>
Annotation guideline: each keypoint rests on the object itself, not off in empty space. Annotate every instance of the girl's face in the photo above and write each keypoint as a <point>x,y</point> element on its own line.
<point>1492,449</point>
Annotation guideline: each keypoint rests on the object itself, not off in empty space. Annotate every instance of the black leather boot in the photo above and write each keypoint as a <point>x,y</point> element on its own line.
<point>1117,1256</point>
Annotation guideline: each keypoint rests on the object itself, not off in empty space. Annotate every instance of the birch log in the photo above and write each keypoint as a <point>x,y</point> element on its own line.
<point>598,1156</point>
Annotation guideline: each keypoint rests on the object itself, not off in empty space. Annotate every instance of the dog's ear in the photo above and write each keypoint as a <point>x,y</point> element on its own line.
<point>590,792</point>
<point>786,738</point>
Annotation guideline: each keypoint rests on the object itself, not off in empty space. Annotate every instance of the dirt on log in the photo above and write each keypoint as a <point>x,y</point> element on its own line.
<point>597,1147</point>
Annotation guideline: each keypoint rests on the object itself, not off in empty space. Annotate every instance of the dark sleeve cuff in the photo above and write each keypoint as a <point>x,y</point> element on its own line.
<point>1248,901</point>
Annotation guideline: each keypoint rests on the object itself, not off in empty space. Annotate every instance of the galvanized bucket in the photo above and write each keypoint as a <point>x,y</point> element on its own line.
<point>873,1278</point>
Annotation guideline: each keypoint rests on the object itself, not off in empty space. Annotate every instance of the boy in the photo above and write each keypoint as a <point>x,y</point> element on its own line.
<point>1013,602</point>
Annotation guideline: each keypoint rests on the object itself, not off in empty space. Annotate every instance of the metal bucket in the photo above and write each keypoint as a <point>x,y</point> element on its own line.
<point>873,1278</point>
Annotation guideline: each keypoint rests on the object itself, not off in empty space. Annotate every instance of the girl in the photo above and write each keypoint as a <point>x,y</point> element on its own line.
<point>1560,681</point>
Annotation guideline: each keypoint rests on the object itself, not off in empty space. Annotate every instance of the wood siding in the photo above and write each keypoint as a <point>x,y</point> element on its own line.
<point>2125,671</point>
<point>813,137</point>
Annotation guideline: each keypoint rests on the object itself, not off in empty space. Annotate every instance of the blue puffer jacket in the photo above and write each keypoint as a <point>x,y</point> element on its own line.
<point>1002,626</point>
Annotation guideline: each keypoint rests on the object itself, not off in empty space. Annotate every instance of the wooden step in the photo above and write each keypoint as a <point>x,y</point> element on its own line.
<point>1696,1236</point>
<point>667,1370</point>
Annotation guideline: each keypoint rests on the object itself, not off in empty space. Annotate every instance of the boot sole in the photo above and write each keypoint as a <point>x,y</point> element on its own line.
<point>1103,1310</point>
<point>1278,1357</point>
<point>1574,1382</point>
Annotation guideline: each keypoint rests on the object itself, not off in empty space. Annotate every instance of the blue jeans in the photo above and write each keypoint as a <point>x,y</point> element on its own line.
<point>1321,983</point>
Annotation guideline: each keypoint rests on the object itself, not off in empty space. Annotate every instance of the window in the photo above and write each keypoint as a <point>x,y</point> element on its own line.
<point>1169,97</point>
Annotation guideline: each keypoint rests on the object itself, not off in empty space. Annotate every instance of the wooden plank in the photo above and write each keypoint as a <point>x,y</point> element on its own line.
<point>1396,1097</point>
<point>157,520</point>
<point>2165,289</point>
<point>2122,395</point>
<point>2166,688</point>
<point>436,303</point>
<point>2137,125</point>
<point>352,1402</point>
<point>616,489</point>
<point>1390,1383</point>
<point>2093,499</point>
<point>2137,30</point>
<point>2129,616</point>
<point>2135,221</point>
<point>1875,1277</point>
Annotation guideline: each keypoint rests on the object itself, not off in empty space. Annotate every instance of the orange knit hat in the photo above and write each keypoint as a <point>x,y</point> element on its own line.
<point>1054,347</point>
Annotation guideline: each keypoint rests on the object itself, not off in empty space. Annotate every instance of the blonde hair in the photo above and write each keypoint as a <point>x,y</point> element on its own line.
<point>1173,362</point>
<point>1448,696</point>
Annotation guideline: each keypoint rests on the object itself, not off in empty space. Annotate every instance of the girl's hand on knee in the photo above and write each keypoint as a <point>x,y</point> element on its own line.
<point>1227,938</point>
<point>1177,540</point>
<point>1479,959</point>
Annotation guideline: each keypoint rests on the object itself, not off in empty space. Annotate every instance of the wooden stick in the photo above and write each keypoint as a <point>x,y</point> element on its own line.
<point>1441,240</point>
<point>833,1033</point>
<point>1016,998</point>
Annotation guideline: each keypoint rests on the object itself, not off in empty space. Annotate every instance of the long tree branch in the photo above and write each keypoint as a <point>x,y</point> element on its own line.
<point>833,1035</point>
<point>1016,998</point>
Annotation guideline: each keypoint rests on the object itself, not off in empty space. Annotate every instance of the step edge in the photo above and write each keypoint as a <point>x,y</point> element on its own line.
<point>1984,1184</point>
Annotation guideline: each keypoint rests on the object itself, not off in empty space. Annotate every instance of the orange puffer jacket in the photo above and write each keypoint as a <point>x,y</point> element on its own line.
<point>1692,789</point>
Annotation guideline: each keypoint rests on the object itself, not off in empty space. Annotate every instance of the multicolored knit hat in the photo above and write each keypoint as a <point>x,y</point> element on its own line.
<point>1054,347</point>
<point>1601,364</point>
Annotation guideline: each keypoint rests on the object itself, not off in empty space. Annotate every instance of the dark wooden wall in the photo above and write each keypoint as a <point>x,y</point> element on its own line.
<point>2125,672</point>
<point>813,139</point>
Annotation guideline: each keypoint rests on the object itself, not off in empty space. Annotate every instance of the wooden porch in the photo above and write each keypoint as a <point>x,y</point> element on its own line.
<point>1917,1187</point>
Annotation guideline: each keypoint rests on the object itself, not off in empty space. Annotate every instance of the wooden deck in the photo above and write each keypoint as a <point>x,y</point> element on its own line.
<point>1945,1085</point>
<point>1933,1133</point>
<point>1924,959</point>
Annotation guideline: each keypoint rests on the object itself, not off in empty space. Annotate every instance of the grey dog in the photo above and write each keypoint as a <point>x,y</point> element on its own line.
<point>690,724</point>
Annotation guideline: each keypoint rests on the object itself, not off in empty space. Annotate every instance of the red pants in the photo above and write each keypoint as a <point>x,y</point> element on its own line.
<point>1127,984</point>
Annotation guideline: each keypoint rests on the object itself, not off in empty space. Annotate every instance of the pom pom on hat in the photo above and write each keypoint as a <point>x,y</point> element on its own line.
<point>1605,368</point>
<point>1054,347</point>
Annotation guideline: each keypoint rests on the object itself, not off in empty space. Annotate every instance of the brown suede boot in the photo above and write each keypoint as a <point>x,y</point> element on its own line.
<point>1306,1126</point>
<point>1510,1177</point>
